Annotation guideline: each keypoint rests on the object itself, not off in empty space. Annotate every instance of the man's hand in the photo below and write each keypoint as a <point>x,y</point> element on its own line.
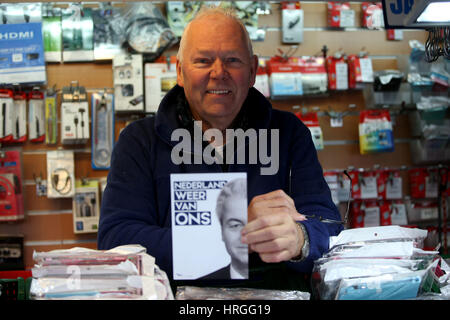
<point>272,230</point>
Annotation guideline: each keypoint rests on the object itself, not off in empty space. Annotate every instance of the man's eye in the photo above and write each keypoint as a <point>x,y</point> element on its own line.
<point>201,60</point>
<point>233,59</point>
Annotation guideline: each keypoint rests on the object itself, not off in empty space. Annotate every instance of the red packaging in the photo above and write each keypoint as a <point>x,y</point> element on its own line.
<point>372,15</point>
<point>423,183</point>
<point>20,122</point>
<point>385,213</point>
<point>6,95</point>
<point>11,195</point>
<point>38,96</point>
<point>359,70</point>
<point>340,15</point>
<point>337,71</point>
<point>394,34</point>
<point>357,215</point>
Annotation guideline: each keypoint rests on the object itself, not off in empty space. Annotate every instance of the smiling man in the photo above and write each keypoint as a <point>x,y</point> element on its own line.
<point>216,71</point>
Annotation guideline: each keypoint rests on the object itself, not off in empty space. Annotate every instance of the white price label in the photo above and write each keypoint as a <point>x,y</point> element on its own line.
<point>369,188</point>
<point>336,122</point>
<point>431,188</point>
<point>372,217</point>
<point>394,188</point>
<point>398,216</point>
<point>366,69</point>
<point>428,213</point>
<point>341,76</point>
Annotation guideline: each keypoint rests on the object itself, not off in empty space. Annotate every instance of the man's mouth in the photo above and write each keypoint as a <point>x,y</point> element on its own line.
<point>220,92</point>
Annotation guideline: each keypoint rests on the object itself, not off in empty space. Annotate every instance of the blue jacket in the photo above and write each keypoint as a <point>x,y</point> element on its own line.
<point>136,202</point>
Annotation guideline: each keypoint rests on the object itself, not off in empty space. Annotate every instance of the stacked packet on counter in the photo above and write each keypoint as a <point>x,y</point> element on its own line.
<point>380,263</point>
<point>125,272</point>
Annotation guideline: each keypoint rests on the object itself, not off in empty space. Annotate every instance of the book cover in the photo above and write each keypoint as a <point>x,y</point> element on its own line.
<point>208,214</point>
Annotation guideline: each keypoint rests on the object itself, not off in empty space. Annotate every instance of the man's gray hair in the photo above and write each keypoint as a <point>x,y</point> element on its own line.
<point>234,189</point>
<point>212,10</point>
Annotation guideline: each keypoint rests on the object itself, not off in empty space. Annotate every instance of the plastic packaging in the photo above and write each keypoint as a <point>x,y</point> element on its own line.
<point>208,293</point>
<point>125,272</point>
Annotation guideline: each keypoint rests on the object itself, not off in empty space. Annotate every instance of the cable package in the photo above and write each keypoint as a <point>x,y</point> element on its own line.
<point>74,115</point>
<point>60,174</point>
<point>86,206</point>
<point>102,129</point>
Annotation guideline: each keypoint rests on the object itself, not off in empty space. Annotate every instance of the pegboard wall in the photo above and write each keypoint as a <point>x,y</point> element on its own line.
<point>48,222</point>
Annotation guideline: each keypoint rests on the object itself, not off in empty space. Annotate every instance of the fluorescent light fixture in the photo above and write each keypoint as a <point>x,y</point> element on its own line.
<point>435,12</point>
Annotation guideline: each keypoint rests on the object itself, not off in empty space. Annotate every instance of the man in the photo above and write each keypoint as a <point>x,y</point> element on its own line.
<point>231,210</point>
<point>216,71</point>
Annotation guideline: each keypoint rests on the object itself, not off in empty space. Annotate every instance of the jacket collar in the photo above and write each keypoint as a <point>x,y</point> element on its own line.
<point>174,113</point>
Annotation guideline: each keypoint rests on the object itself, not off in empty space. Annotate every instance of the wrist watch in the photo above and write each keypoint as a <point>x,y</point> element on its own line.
<point>305,249</point>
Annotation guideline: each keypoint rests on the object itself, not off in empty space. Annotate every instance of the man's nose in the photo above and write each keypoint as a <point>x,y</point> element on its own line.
<point>218,70</point>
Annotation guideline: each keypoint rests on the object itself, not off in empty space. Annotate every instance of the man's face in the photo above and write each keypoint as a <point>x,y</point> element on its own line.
<point>232,224</point>
<point>216,71</point>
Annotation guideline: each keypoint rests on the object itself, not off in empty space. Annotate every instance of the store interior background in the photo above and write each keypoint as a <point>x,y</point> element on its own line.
<point>48,223</point>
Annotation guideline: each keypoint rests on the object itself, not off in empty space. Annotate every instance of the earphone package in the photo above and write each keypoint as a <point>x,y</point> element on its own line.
<point>128,82</point>
<point>60,174</point>
<point>102,129</point>
<point>86,209</point>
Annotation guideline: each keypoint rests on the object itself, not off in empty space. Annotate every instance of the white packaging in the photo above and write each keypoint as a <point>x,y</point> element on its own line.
<point>36,118</point>
<point>128,82</point>
<point>60,174</point>
<point>292,25</point>
<point>6,117</point>
<point>159,79</point>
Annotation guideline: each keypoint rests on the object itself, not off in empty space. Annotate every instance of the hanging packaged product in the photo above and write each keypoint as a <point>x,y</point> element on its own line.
<point>292,22</point>
<point>160,77</point>
<point>85,208</point>
<point>77,33</point>
<point>367,181</point>
<point>262,79</point>
<point>360,70</point>
<point>385,213</point>
<point>355,183</point>
<point>128,83</point>
<point>51,117</point>
<point>375,131</point>
<point>15,13</point>
<point>337,70</point>
<point>11,193</point>
<point>102,129</point>
<point>398,213</point>
<point>371,214</point>
<point>179,13</point>
<point>106,40</point>
<point>421,211</point>
<point>340,15</point>
<point>22,58</point>
<point>36,115</point>
<point>6,115</point>
<point>365,214</point>
<point>344,188</point>
<point>19,117</point>
<point>311,120</point>
<point>372,15</point>
<point>314,75</point>
<point>74,115</point>
<point>332,181</point>
<point>285,78</point>
<point>247,12</point>
<point>60,174</point>
<point>424,183</point>
<point>389,184</point>
<point>394,34</point>
<point>52,31</point>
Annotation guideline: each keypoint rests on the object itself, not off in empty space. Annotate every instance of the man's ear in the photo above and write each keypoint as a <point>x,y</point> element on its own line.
<point>253,69</point>
<point>180,81</point>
